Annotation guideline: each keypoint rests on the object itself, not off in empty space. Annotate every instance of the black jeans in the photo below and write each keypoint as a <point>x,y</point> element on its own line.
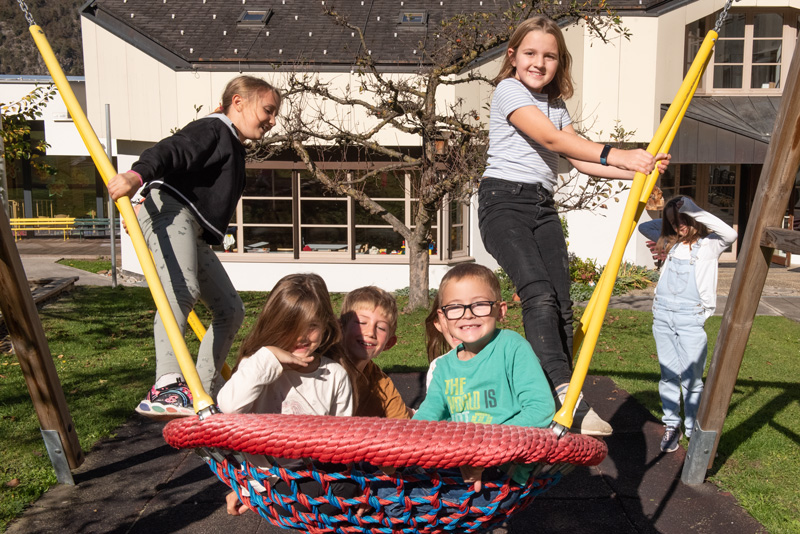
<point>520,228</point>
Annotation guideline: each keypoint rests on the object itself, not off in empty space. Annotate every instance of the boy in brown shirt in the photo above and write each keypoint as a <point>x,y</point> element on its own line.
<point>369,321</point>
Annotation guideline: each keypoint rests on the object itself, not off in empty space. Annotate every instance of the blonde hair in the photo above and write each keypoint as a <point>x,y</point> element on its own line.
<point>371,298</point>
<point>247,87</point>
<point>561,86</point>
<point>669,234</point>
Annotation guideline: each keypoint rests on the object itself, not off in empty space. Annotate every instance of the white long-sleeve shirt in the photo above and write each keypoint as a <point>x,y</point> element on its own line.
<point>262,385</point>
<point>711,248</point>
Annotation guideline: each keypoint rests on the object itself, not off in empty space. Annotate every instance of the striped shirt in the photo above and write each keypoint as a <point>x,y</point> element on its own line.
<point>513,155</point>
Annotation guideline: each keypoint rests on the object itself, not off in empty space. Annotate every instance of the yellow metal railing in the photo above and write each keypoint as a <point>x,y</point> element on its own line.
<point>34,224</point>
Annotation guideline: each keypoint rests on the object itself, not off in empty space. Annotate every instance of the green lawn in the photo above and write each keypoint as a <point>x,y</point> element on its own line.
<point>101,341</point>
<point>92,266</point>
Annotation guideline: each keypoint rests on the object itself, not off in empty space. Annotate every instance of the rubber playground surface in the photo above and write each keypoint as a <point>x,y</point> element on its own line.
<point>136,483</point>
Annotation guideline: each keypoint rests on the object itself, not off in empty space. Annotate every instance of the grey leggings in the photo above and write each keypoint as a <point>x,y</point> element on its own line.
<point>190,271</point>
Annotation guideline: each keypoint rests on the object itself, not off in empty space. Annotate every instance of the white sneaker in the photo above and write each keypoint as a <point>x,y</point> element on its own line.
<point>584,419</point>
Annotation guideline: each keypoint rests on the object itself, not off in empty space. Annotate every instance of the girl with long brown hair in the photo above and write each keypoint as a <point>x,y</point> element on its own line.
<point>686,295</point>
<point>292,363</point>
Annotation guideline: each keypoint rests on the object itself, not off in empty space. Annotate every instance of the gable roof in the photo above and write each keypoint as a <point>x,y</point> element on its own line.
<point>207,35</point>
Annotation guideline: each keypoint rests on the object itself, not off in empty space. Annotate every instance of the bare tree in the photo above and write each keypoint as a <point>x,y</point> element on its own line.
<point>574,193</point>
<point>452,138</point>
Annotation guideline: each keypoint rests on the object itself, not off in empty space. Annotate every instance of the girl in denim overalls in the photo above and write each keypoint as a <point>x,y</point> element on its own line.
<point>692,240</point>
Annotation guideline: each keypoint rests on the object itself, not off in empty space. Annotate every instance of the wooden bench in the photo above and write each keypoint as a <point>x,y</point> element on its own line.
<point>42,224</point>
<point>93,227</point>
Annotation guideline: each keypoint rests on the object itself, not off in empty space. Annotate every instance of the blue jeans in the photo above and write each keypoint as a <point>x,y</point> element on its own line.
<point>520,228</point>
<point>682,346</point>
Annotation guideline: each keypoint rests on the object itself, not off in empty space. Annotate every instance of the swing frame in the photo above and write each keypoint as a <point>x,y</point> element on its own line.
<point>595,312</point>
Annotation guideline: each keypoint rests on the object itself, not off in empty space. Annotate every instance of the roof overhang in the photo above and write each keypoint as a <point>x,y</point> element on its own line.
<point>725,129</point>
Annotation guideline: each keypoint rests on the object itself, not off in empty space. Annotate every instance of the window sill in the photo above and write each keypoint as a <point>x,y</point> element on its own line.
<point>331,258</point>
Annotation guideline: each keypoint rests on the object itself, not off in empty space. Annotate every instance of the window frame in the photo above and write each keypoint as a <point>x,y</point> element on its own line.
<point>788,39</point>
<point>238,252</point>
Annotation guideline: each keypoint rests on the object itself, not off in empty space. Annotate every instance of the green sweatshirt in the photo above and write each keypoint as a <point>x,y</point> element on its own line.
<point>503,385</point>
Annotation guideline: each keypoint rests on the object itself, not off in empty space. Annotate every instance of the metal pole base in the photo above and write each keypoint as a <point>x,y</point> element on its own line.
<point>52,440</point>
<point>699,455</point>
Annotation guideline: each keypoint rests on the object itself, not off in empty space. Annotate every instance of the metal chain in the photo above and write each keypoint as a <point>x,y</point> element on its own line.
<point>722,16</point>
<point>24,7</point>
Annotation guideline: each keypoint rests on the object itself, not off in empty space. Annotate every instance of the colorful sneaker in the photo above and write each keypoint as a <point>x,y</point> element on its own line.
<point>584,419</point>
<point>672,439</point>
<point>172,400</point>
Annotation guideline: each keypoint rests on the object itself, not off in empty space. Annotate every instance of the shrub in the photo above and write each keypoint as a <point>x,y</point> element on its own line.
<point>506,285</point>
<point>632,277</point>
<point>583,271</point>
<point>584,275</point>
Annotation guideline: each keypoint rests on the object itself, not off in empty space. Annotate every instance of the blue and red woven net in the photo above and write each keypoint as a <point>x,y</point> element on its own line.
<point>426,453</point>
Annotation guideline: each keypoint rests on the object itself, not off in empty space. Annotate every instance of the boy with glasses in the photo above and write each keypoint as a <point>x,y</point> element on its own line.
<point>493,376</point>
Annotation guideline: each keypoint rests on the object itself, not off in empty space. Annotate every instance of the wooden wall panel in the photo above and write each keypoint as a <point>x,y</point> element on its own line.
<point>707,144</point>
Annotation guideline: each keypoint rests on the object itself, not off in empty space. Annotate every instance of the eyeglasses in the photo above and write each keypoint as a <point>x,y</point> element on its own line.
<point>478,309</point>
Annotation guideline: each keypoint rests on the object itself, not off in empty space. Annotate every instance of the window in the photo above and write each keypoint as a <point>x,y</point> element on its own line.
<point>748,56</point>
<point>266,212</point>
<point>413,17</point>
<point>75,190</point>
<point>254,18</point>
<point>767,48</point>
<point>373,235</point>
<point>288,212</point>
<point>323,217</point>
<point>729,53</point>
<point>458,220</point>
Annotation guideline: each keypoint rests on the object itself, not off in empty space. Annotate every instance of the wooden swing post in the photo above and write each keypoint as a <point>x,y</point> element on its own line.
<point>762,235</point>
<point>35,360</point>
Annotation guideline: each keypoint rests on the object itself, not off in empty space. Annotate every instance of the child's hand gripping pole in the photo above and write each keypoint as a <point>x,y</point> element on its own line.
<point>202,401</point>
<point>586,336</point>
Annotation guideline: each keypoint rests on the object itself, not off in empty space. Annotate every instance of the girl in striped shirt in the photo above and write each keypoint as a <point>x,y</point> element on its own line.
<point>529,129</point>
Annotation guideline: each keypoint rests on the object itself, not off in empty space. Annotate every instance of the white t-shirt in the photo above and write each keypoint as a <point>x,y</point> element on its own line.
<point>512,155</point>
<point>711,248</point>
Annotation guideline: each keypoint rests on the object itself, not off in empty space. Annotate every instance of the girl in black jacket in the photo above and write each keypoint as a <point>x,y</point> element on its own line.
<point>193,181</point>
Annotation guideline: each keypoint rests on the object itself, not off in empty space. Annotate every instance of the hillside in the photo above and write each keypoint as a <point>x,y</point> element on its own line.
<point>61,24</point>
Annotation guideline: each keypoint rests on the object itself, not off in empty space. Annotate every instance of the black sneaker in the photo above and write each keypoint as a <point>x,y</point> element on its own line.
<point>672,439</point>
<point>172,400</point>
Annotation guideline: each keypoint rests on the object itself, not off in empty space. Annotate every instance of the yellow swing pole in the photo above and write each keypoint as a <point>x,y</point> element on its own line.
<point>646,191</point>
<point>201,399</point>
<point>602,293</point>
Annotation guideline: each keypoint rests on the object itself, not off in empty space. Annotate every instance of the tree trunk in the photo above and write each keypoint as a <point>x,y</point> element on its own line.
<point>418,262</point>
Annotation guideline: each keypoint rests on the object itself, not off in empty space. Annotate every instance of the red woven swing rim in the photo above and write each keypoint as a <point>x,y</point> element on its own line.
<point>388,442</point>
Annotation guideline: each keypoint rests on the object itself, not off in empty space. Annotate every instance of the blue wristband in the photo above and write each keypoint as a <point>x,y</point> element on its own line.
<point>604,155</point>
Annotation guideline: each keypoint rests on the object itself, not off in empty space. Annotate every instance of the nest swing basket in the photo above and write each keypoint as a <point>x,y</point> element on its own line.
<point>427,455</point>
